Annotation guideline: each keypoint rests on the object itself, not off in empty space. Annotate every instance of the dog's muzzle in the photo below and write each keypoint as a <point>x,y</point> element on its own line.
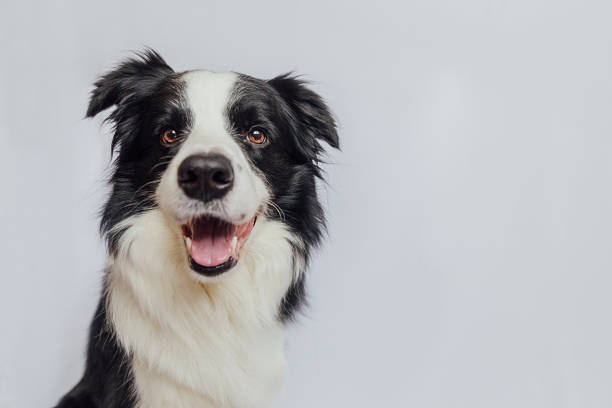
<point>213,244</point>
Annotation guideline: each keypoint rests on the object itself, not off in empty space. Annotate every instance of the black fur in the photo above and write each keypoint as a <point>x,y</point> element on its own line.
<point>148,98</point>
<point>107,381</point>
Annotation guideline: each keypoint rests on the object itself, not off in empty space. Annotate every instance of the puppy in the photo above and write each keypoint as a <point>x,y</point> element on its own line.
<point>211,220</point>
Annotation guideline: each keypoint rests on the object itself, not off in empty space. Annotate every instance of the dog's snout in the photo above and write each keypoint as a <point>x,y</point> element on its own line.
<point>206,177</point>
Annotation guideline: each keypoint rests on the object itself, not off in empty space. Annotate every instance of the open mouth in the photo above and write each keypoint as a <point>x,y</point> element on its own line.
<point>213,244</point>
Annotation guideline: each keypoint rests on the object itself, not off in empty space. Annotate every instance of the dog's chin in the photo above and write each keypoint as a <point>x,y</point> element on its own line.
<point>213,245</point>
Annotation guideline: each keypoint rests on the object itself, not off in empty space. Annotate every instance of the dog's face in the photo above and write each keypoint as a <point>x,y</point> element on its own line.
<point>213,152</point>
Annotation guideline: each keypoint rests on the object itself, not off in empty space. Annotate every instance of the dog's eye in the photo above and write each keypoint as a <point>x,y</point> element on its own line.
<point>170,136</point>
<point>256,136</point>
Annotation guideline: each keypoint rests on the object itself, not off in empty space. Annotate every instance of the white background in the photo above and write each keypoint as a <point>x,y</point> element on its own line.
<point>468,263</point>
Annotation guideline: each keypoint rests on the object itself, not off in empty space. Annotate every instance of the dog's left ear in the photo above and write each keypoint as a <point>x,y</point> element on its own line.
<point>128,85</point>
<point>311,113</point>
<point>133,80</point>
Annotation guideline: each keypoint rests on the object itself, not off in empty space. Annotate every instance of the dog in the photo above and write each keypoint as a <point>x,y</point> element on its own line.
<point>210,224</point>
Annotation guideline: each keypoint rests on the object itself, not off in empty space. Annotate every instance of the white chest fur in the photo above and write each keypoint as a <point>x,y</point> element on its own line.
<point>193,344</point>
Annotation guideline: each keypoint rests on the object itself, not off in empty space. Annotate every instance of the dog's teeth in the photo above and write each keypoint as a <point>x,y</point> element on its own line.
<point>188,241</point>
<point>234,243</point>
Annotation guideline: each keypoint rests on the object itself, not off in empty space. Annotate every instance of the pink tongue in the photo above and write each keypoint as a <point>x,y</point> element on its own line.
<point>211,242</point>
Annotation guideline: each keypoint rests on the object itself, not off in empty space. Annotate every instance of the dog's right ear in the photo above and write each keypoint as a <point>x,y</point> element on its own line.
<point>132,80</point>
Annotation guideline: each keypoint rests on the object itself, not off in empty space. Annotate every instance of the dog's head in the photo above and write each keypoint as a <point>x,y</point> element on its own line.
<point>214,152</point>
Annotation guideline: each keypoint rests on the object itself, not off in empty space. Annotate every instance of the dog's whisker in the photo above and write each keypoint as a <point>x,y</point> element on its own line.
<point>163,163</point>
<point>279,210</point>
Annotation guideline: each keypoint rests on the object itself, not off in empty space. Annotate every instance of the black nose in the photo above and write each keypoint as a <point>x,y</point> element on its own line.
<point>206,177</point>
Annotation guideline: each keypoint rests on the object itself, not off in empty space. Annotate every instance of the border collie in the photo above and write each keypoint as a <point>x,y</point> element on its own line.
<point>210,223</point>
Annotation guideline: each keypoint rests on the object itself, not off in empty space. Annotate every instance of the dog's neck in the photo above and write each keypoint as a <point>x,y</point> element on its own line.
<point>200,343</point>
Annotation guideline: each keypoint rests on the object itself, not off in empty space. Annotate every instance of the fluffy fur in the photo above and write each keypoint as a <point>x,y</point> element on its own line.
<point>164,334</point>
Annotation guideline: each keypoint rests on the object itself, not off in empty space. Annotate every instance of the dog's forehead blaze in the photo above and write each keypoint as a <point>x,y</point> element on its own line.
<point>208,95</point>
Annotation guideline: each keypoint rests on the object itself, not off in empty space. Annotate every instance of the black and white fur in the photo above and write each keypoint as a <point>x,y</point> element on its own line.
<point>165,335</point>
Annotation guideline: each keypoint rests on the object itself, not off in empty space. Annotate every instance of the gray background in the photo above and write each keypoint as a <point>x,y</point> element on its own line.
<point>468,263</point>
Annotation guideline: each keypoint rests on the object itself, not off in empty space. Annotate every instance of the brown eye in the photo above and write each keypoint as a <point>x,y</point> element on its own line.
<point>256,136</point>
<point>170,136</point>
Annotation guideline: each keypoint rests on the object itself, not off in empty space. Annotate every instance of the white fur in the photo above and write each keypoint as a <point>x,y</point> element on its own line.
<point>193,344</point>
